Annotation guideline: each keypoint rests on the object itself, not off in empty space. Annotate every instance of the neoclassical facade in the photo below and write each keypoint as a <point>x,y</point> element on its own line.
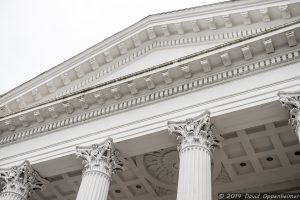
<point>181,105</point>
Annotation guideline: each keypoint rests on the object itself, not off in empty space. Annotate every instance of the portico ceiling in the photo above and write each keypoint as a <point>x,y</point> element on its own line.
<point>259,154</point>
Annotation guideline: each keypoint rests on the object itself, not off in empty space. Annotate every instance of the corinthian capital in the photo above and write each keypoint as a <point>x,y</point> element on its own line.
<point>198,131</point>
<point>291,101</point>
<point>21,180</point>
<point>103,157</point>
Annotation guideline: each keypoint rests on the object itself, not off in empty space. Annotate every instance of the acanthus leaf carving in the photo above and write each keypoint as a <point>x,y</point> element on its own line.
<point>198,131</point>
<point>21,180</point>
<point>291,101</point>
<point>103,157</point>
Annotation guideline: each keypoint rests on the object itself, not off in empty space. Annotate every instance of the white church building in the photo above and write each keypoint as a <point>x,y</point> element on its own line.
<point>181,105</point>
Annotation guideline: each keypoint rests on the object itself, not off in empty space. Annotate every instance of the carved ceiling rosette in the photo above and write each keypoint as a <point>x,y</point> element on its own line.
<point>223,176</point>
<point>21,180</point>
<point>160,168</point>
<point>103,157</point>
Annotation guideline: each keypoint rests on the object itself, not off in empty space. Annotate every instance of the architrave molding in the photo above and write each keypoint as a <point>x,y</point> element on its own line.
<point>159,95</point>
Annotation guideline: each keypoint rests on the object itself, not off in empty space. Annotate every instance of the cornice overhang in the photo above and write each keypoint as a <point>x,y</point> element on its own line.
<point>151,28</point>
<point>265,51</point>
<point>289,93</point>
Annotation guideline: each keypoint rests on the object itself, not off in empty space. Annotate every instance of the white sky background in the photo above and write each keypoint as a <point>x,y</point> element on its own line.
<point>36,35</point>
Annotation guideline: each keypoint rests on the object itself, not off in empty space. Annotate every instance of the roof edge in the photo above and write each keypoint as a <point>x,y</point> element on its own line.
<point>82,91</point>
<point>129,31</point>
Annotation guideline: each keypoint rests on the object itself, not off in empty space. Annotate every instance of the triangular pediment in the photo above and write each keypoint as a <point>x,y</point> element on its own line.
<point>154,40</point>
<point>155,57</point>
<point>235,60</point>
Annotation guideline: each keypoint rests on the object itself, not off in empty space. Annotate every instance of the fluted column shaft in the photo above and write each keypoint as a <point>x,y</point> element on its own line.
<point>197,141</point>
<point>94,185</point>
<point>101,162</point>
<point>194,182</point>
<point>20,181</point>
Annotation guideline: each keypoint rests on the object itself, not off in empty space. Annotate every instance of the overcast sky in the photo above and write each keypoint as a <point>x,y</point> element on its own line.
<point>36,35</point>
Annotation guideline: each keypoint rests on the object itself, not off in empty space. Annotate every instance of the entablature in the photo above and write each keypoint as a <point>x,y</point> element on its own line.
<point>269,50</point>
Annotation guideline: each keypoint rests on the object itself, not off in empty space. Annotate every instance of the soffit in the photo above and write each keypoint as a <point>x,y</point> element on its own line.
<point>260,158</point>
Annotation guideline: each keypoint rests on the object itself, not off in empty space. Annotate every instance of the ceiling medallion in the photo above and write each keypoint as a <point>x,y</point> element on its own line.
<point>163,165</point>
<point>160,167</point>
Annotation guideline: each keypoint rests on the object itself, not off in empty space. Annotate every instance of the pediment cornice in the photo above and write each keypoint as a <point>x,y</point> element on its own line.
<point>222,21</point>
<point>247,56</point>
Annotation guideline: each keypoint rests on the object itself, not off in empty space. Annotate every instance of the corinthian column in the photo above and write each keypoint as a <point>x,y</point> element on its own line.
<point>291,101</point>
<point>20,181</point>
<point>197,140</point>
<point>100,163</point>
